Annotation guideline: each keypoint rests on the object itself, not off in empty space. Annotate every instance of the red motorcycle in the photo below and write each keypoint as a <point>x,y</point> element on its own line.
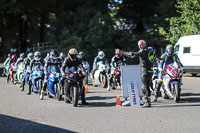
<point>172,82</point>
<point>12,73</point>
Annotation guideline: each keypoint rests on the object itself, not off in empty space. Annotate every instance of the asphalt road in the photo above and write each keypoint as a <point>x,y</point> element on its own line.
<point>21,113</point>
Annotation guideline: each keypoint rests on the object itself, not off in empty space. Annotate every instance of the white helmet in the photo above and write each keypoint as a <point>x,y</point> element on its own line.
<point>101,54</point>
<point>37,55</point>
<point>30,56</point>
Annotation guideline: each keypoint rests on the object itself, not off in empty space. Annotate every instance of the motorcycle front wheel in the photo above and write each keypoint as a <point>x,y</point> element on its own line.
<point>75,96</point>
<point>40,82</point>
<point>104,81</point>
<point>58,92</point>
<point>176,93</point>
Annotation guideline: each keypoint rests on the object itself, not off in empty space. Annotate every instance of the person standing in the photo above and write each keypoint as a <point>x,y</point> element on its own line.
<point>147,58</point>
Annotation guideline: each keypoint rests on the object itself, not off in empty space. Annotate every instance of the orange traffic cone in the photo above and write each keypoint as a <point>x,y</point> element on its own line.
<point>86,88</point>
<point>118,102</point>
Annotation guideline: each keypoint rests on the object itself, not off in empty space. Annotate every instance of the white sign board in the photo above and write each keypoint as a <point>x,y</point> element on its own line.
<point>133,93</point>
<point>131,73</point>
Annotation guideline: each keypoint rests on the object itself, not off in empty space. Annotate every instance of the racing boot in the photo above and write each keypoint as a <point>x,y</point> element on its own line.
<point>83,98</point>
<point>29,88</point>
<point>147,103</point>
<point>67,97</point>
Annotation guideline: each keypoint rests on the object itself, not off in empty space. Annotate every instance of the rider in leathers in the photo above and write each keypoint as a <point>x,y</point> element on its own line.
<point>19,60</point>
<point>98,58</point>
<point>70,61</point>
<point>167,58</point>
<point>51,62</point>
<point>117,59</point>
<point>147,58</point>
<point>27,62</point>
<point>36,62</point>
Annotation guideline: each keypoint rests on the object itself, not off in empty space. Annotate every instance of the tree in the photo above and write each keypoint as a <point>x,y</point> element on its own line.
<point>187,22</point>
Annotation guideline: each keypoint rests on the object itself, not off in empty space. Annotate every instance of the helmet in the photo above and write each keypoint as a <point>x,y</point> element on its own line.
<point>37,55</point>
<point>73,54</point>
<point>54,54</point>
<point>81,54</point>
<point>62,55</point>
<point>22,55</point>
<point>118,52</point>
<point>101,54</point>
<point>169,50</point>
<point>30,56</point>
<point>14,56</point>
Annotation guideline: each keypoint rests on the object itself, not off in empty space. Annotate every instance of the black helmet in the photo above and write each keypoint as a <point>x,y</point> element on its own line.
<point>73,54</point>
<point>54,54</point>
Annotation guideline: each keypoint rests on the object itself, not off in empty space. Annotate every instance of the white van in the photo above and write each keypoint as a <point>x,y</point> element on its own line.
<point>188,50</point>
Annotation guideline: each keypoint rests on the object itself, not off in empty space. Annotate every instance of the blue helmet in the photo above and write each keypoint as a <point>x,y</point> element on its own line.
<point>54,54</point>
<point>22,55</point>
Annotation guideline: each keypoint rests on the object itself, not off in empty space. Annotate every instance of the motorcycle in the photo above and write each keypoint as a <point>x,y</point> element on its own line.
<point>172,82</point>
<point>87,68</point>
<point>53,85</point>
<point>74,77</point>
<point>101,75</point>
<point>20,72</point>
<point>154,81</point>
<point>7,68</point>
<point>116,79</point>
<point>27,75</point>
<point>12,73</point>
<point>37,80</point>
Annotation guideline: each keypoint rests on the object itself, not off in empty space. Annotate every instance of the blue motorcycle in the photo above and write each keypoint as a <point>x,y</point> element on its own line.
<point>74,77</point>
<point>37,80</point>
<point>53,85</point>
<point>27,75</point>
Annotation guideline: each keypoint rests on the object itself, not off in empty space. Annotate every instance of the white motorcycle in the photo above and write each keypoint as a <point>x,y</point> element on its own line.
<point>87,68</point>
<point>20,72</point>
<point>171,87</point>
<point>101,75</point>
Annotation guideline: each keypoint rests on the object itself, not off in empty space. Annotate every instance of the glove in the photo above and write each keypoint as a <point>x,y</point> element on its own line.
<point>160,69</point>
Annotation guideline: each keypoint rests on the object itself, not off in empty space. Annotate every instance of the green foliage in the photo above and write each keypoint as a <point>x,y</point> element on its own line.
<point>186,23</point>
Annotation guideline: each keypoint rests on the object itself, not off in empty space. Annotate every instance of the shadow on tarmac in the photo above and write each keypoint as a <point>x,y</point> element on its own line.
<point>100,104</point>
<point>9,124</point>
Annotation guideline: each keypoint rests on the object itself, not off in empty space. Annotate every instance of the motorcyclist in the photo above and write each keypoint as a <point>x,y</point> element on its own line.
<point>147,58</point>
<point>117,60</point>
<point>35,62</point>
<point>6,64</point>
<point>52,62</point>
<point>27,61</point>
<point>70,61</point>
<point>47,57</point>
<point>167,58</point>
<point>98,58</point>
<point>62,56</point>
<point>85,64</point>
<point>12,62</point>
<point>20,60</point>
